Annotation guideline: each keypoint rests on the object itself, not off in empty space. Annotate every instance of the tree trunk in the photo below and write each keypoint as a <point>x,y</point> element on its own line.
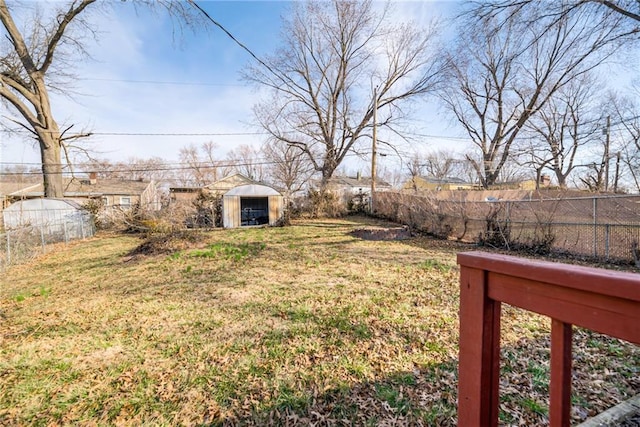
<point>50,152</point>
<point>49,141</point>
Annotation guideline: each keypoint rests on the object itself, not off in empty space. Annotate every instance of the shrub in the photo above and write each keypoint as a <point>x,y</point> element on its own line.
<point>324,203</point>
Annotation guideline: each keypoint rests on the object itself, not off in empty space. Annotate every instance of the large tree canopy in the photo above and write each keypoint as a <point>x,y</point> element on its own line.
<point>511,59</point>
<point>33,55</point>
<point>24,68</point>
<point>334,54</point>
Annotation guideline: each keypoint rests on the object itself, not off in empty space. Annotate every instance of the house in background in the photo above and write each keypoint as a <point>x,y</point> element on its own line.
<point>349,186</point>
<point>430,183</point>
<point>111,192</point>
<point>186,195</point>
<point>7,189</point>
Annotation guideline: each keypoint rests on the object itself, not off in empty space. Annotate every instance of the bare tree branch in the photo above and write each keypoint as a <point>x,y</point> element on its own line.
<point>322,79</point>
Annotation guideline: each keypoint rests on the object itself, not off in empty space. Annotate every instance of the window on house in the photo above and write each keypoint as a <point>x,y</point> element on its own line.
<point>125,201</point>
<point>105,201</point>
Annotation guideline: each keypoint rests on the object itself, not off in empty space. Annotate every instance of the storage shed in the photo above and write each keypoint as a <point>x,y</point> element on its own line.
<point>253,204</point>
<point>54,219</point>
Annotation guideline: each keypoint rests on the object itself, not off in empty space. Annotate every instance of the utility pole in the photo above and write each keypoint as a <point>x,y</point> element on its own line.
<point>606,155</point>
<point>373,147</point>
<point>615,182</point>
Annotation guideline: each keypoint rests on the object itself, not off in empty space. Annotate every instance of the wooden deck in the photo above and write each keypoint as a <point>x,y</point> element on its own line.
<point>601,300</point>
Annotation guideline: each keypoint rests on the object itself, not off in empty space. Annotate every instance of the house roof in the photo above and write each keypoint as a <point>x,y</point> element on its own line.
<point>229,182</point>
<point>355,182</point>
<point>75,187</point>
<point>445,180</point>
<point>8,188</point>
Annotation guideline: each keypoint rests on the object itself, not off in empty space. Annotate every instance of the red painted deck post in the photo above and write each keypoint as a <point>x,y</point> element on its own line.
<point>604,301</point>
<point>560,382</point>
<point>479,354</point>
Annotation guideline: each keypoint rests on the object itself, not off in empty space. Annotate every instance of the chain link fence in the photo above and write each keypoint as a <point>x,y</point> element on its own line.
<point>21,244</point>
<point>599,227</point>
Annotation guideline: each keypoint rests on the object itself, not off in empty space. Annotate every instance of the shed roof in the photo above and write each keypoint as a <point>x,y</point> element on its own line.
<point>252,190</point>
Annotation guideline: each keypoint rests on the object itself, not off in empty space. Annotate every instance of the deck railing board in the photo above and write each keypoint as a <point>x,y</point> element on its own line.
<point>601,300</point>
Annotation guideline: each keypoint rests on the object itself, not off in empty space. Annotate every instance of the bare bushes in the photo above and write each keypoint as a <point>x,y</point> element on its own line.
<point>494,223</point>
<point>324,203</point>
<point>423,213</point>
<point>208,211</point>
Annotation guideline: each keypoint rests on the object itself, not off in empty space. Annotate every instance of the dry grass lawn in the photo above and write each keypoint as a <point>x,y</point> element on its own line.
<point>300,325</point>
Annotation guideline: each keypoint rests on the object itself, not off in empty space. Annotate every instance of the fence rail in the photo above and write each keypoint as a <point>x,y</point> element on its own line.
<point>20,244</point>
<point>604,228</point>
<point>601,300</point>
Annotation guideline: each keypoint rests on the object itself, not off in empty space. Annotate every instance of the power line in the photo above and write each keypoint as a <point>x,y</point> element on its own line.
<point>217,24</point>
<point>159,133</point>
<point>160,82</point>
<point>162,167</point>
<point>176,134</point>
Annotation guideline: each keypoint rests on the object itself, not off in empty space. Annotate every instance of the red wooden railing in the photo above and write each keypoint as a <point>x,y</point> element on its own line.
<point>601,300</point>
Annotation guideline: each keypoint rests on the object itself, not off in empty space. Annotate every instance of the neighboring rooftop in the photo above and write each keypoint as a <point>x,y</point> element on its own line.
<point>79,187</point>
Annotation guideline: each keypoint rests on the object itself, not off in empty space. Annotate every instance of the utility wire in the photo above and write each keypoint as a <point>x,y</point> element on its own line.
<point>159,133</point>
<point>159,82</point>
<point>120,167</point>
<point>175,134</point>
<point>217,24</point>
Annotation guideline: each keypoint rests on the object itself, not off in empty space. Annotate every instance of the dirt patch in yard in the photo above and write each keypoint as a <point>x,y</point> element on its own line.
<point>395,233</point>
<point>167,243</point>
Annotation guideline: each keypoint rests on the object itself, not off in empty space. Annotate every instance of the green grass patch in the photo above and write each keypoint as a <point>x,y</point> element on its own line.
<point>229,251</point>
<point>303,324</point>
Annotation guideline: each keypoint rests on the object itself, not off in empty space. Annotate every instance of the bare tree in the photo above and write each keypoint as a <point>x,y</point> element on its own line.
<point>339,61</point>
<point>248,161</point>
<point>628,115</point>
<point>288,168</point>
<point>559,10</point>
<point>31,61</point>
<point>442,164</point>
<point>22,82</point>
<point>567,124</point>
<point>508,64</point>
<point>199,164</point>
<point>18,173</point>
<point>154,168</point>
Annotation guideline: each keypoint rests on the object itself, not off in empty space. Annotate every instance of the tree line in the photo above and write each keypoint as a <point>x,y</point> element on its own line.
<point>523,80</point>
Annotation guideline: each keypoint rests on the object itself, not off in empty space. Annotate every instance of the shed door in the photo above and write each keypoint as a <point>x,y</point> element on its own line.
<point>231,211</point>
<point>275,209</point>
<point>254,210</point>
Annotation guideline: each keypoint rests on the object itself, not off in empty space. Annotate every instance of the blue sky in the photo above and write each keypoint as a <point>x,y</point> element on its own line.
<point>147,78</point>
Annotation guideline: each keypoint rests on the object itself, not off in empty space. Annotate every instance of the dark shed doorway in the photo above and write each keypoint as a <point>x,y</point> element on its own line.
<point>254,210</point>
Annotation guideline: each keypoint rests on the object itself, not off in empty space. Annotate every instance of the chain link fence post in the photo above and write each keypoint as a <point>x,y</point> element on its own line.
<point>8,248</point>
<point>595,227</point>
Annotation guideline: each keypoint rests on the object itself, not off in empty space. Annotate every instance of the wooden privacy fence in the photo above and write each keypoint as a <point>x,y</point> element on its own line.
<point>601,300</point>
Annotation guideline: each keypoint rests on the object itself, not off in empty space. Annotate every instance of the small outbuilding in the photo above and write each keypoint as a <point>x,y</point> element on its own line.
<point>252,204</point>
<point>54,219</point>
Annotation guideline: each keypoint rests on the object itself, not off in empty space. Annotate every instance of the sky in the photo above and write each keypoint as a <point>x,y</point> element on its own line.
<point>146,76</point>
